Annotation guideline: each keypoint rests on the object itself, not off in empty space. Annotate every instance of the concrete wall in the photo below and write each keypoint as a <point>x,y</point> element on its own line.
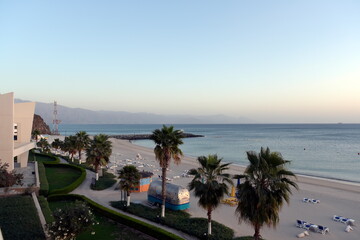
<point>7,129</point>
<point>22,114</point>
<point>23,117</point>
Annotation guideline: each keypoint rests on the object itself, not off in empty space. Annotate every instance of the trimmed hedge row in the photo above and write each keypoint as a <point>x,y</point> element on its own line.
<point>44,184</point>
<point>45,209</point>
<point>151,230</point>
<point>52,158</point>
<point>179,220</point>
<point>73,185</point>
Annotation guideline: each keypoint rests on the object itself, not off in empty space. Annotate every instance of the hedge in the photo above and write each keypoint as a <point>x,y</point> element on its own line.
<point>44,184</point>
<point>45,209</point>
<point>73,185</point>
<point>149,229</point>
<point>54,159</point>
<point>179,220</point>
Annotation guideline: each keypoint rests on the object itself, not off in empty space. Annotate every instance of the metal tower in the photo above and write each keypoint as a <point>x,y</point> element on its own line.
<point>55,121</point>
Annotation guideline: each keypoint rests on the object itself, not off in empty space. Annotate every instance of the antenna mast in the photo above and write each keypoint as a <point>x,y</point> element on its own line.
<point>55,121</point>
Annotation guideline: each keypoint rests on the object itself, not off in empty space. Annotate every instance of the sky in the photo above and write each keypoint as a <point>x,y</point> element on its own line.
<point>269,61</point>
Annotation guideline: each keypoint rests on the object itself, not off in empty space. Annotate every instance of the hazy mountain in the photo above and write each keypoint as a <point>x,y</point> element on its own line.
<point>69,115</point>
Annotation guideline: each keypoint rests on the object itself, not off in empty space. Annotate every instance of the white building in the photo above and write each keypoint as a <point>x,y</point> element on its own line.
<point>16,121</point>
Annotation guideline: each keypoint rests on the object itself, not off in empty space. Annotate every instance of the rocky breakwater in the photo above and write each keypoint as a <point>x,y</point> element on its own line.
<point>147,136</point>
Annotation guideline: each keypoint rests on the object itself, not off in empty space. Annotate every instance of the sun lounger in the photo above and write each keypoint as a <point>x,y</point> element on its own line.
<point>312,227</point>
<point>322,229</point>
<point>344,220</point>
<point>300,223</point>
<point>310,200</point>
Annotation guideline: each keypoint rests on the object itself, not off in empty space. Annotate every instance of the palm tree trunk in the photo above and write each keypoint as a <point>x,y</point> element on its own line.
<point>128,198</point>
<point>79,155</point>
<point>163,191</point>
<point>96,172</point>
<point>209,221</point>
<point>257,232</point>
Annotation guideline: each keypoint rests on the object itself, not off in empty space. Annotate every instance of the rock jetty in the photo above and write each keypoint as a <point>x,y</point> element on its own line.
<point>147,136</point>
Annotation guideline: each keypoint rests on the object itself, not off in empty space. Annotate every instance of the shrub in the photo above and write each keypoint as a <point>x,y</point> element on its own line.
<point>45,157</point>
<point>179,220</point>
<point>151,230</point>
<point>44,185</point>
<point>70,220</point>
<point>8,179</point>
<point>45,209</point>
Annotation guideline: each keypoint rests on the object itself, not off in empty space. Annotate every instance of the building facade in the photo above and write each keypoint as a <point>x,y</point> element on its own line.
<point>16,121</point>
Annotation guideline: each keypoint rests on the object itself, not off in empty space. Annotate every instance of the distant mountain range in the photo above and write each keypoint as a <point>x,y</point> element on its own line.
<point>69,115</point>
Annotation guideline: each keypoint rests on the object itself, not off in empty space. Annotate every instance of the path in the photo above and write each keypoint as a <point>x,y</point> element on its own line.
<point>105,196</point>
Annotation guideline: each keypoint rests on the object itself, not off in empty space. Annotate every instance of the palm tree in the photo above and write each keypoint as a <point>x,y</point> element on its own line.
<point>210,183</point>
<point>130,177</point>
<point>43,144</point>
<point>56,144</point>
<point>35,134</point>
<point>70,146</point>
<point>98,152</point>
<point>267,185</point>
<point>82,141</point>
<point>167,141</point>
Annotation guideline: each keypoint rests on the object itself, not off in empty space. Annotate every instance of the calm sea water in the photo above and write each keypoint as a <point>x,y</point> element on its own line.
<point>324,150</point>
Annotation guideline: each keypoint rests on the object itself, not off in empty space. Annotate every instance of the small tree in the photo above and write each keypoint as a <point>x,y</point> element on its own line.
<point>43,144</point>
<point>210,183</point>
<point>70,220</point>
<point>8,179</point>
<point>130,177</point>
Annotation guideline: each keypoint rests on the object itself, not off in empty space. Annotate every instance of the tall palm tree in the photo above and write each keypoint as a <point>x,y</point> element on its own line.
<point>210,183</point>
<point>130,177</point>
<point>167,141</point>
<point>98,152</point>
<point>82,141</point>
<point>266,187</point>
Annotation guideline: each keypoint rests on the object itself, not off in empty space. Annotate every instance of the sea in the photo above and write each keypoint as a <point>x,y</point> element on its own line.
<point>320,150</point>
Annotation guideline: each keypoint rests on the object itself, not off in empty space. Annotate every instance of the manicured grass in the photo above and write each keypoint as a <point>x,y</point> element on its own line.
<point>106,229</point>
<point>104,182</point>
<point>60,177</point>
<point>19,219</point>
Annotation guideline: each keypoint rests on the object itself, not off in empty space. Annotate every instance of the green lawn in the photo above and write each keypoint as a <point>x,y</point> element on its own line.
<point>106,229</point>
<point>104,182</point>
<point>60,177</point>
<point>19,219</point>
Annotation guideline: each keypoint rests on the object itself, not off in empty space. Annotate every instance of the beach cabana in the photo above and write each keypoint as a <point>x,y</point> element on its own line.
<point>145,181</point>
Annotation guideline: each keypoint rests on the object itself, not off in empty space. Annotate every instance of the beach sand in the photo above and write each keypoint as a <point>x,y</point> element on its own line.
<point>336,198</point>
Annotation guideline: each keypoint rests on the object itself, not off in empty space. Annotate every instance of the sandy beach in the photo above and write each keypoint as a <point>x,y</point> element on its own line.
<point>336,198</point>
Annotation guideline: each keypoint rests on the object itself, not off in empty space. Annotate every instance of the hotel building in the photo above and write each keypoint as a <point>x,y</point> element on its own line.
<point>16,121</point>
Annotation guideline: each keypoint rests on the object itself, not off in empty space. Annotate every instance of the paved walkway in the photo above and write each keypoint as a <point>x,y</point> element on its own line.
<point>105,196</point>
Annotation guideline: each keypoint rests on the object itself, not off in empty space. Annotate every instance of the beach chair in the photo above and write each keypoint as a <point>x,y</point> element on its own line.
<point>314,200</point>
<point>306,200</point>
<point>322,229</point>
<point>300,223</point>
<point>337,218</point>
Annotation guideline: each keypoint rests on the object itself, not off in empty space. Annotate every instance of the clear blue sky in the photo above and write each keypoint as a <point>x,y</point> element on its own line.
<point>271,61</point>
